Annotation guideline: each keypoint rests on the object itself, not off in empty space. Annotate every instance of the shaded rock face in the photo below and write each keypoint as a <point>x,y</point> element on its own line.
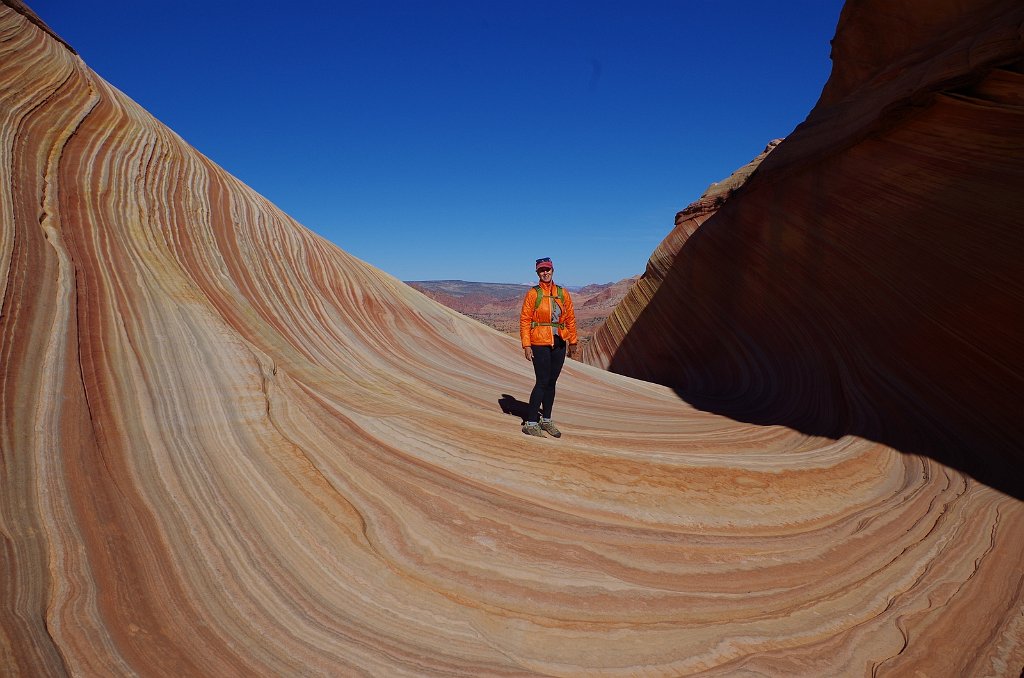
<point>609,334</point>
<point>867,278</point>
<point>229,448</point>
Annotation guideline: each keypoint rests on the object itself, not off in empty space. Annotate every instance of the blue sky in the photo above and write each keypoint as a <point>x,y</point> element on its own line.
<point>462,140</point>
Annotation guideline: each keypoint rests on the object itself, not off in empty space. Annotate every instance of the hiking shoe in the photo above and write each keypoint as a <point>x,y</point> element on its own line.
<point>550,428</point>
<point>533,430</point>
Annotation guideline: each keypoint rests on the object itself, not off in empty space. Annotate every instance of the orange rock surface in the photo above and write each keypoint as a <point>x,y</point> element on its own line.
<point>228,448</point>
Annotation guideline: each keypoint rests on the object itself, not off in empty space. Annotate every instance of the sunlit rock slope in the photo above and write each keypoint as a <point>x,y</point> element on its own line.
<point>230,449</point>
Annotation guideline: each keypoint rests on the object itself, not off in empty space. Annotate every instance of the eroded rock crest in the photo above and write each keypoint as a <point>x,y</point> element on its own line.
<point>608,336</point>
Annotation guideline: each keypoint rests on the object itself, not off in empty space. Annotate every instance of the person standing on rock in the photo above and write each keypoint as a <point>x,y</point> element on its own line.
<point>547,324</point>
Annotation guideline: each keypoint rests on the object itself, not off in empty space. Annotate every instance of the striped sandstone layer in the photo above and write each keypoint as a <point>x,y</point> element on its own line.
<point>228,448</point>
<point>868,278</point>
<point>609,333</point>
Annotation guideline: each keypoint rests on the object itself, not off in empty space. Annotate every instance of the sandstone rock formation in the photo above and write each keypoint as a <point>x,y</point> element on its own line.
<point>227,448</point>
<point>867,278</point>
<point>609,334</point>
<point>595,302</point>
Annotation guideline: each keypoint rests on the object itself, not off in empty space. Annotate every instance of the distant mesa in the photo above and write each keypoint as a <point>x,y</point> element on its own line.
<point>227,447</point>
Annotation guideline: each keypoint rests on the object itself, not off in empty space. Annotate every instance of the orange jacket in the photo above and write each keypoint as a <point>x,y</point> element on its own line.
<point>541,335</point>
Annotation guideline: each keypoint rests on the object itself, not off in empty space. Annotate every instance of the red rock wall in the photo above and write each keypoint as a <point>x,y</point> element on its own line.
<point>868,278</point>
<point>609,333</point>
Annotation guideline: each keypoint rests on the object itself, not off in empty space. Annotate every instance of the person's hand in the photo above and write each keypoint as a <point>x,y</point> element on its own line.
<point>528,352</point>
<point>574,350</point>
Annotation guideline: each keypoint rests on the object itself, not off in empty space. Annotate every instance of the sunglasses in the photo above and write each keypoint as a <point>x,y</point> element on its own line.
<point>543,270</point>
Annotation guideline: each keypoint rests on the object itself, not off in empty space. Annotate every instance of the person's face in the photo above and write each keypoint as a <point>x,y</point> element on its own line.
<point>544,274</point>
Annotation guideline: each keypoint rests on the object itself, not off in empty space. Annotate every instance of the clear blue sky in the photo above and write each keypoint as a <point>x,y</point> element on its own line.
<point>462,140</point>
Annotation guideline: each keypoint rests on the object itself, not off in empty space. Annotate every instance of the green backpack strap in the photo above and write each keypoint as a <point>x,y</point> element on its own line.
<point>559,292</point>
<point>560,295</point>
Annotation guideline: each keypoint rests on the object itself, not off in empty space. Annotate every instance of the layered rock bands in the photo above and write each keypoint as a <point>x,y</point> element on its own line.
<point>228,448</point>
<point>867,278</point>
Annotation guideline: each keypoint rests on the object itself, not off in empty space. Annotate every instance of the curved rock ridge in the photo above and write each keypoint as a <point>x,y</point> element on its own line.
<point>610,333</point>
<point>229,448</point>
<point>867,279</point>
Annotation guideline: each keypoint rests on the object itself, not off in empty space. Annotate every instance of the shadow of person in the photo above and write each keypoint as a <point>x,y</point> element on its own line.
<point>510,405</point>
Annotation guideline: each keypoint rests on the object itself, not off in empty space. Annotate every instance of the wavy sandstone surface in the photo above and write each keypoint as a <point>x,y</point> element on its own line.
<point>231,449</point>
<point>868,278</point>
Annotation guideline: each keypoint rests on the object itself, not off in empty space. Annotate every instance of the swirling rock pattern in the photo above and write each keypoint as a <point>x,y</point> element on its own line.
<point>867,278</point>
<point>229,448</point>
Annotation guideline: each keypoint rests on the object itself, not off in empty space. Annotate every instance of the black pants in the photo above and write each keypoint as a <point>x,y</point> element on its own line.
<point>547,364</point>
